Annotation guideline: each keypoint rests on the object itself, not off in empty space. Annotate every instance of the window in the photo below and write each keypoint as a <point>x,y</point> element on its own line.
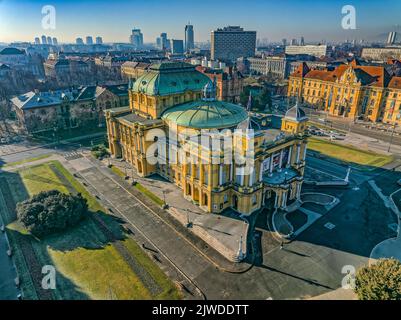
<point>225,198</point>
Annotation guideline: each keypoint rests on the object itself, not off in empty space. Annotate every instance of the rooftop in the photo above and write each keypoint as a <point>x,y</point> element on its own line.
<point>170,77</point>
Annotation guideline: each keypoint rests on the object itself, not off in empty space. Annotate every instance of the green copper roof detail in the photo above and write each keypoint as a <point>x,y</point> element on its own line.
<point>169,78</point>
<point>206,114</point>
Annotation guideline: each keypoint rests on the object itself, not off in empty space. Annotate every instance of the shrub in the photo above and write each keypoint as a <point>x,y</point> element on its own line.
<point>381,281</point>
<point>51,211</point>
<point>99,151</point>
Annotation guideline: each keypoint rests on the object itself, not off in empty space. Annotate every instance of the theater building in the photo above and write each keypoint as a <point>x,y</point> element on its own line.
<point>215,151</point>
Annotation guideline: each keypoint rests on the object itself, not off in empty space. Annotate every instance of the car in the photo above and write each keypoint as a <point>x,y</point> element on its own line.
<point>399,182</point>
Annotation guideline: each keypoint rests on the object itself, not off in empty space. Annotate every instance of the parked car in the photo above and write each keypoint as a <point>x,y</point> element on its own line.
<point>399,182</point>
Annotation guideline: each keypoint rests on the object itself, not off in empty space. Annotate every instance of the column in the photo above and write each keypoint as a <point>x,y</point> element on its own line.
<point>271,164</point>
<point>261,171</point>
<point>284,198</point>
<point>289,156</point>
<point>220,175</point>
<point>299,186</point>
<point>298,151</point>
<point>281,158</point>
<point>276,200</point>
<point>304,157</point>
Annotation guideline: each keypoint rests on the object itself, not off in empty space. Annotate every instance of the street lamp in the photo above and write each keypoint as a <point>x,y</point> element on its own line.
<point>189,223</point>
<point>165,205</point>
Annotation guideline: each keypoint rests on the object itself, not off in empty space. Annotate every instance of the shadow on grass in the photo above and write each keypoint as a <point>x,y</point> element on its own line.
<point>31,253</point>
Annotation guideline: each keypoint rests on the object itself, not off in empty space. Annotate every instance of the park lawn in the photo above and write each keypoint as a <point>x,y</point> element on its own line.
<point>348,153</point>
<point>88,266</point>
<point>140,187</point>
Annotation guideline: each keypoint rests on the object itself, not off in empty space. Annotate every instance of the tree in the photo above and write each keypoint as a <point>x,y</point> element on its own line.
<point>99,151</point>
<point>51,211</point>
<point>380,281</point>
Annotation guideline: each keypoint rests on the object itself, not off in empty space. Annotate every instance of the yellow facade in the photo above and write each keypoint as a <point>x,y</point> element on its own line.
<point>349,91</point>
<point>277,155</point>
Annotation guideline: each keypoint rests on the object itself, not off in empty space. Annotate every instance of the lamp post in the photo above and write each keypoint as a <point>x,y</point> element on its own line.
<point>189,223</point>
<point>165,205</point>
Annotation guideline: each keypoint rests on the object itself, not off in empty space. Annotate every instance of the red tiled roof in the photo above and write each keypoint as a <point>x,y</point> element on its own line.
<point>376,76</point>
<point>301,71</point>
<point>395,83</point>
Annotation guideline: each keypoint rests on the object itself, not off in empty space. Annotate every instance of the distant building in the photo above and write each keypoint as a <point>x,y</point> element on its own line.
<point>79,41</point>
<point>62,70</point>
<point>313,50</point>
<point>136,38</point>
<point>275,65</point>
<point>99,40</point>
<point>49,40</point>
<point>19,60</point>
<point>381,54</point>
<point>44,40</point>
<point>189,37</point>
<point>132,70</point>
<point>71,108</point>
<point>55,42</point>
<point>232,42</point>
<point>177,46</point>
<point>229,82</point>
<point>89,40</point>
<point>320,65</point>
<point>392,36</point>
<point>302,42</point>
<point>37,40</point>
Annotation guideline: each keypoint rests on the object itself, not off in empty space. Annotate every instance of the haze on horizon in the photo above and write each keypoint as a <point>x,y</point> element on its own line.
<point>273,20</point>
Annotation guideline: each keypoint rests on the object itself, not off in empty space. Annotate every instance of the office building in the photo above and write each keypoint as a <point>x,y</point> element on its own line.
<point>381,54</point>
<point>49,40</point>
<point>177,46</point>
<point>37,40</point>
<point>79,41</point>
<point>44,40</point>
<point>189,37</point>
<point>392,36</point>
<point>55,42</point>
<point>89,40</point>
<point>232,42</point>
<point>99,40</point>
<point>136,38</point>
<point>312,50</point>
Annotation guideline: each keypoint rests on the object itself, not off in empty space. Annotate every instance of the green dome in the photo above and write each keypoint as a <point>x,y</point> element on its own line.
<point>206,114</point>
<point>170,78</point>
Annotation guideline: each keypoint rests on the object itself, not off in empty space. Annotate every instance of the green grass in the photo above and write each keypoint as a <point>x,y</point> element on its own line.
<point>140,187</point>
<point>88,266</point>
<point>16,163</point>
<point>348,153</point>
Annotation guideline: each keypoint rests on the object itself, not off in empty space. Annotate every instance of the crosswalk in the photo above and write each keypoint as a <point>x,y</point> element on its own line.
<point>72,155</point>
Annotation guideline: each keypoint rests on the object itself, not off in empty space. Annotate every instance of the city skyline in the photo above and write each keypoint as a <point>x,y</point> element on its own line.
<point>76,19</point>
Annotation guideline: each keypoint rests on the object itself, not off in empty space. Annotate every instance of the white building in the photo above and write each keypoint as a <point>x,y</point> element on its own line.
<point>312,50</point>
<point>381,54</point>
<point>278,66</point>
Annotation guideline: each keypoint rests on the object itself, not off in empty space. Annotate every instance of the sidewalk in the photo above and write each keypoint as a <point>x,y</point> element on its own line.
<point>220,232</point>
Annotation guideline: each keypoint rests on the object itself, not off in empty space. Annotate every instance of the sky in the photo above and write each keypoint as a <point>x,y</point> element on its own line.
<point>21,20</point>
